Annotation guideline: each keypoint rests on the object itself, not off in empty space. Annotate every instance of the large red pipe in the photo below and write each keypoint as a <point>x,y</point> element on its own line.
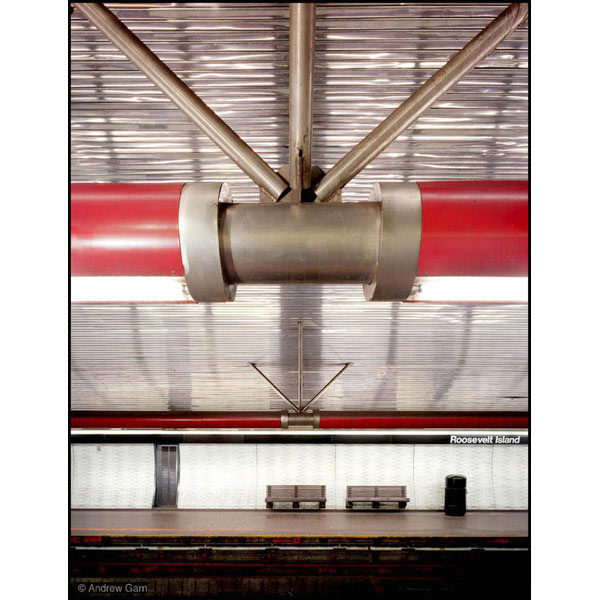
<point>271,420</point>
<point>125,229</point>
<point>268,420</point>
<point>435,421</point>
<point>476,228</point>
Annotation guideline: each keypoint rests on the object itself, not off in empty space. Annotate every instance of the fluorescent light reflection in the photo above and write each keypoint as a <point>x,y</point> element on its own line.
<point>173,289</point>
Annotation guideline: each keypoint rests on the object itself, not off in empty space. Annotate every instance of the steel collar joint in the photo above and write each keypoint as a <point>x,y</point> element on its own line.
<point>199,210</point>
<point>300,420</point>
<point>399,241</point>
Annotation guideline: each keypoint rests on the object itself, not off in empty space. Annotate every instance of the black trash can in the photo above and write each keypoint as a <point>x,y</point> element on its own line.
<point>455,498</point>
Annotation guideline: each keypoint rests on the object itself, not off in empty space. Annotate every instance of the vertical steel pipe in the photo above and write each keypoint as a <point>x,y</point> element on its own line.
<point>212,125</point>
<point>301,65</point>
<point>410,110</point>
<point>300,363</point>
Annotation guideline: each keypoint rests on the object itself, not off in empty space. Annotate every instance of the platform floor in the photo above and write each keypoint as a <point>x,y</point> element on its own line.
<point>263,523</point>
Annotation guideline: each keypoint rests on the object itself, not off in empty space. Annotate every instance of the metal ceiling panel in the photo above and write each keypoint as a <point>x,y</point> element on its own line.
<point>195,357</point>
<point>369,58</point>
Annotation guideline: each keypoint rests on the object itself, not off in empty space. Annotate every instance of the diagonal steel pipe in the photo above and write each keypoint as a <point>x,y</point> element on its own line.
<point>210,123</point>
<point>302,50</point>
<point>325,387</point>
<point>410,110</point>
<point>275,388</point>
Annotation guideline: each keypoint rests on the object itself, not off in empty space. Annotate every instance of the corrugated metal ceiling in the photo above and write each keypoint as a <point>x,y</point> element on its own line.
<point>195,357</point>
<point>369,58</point>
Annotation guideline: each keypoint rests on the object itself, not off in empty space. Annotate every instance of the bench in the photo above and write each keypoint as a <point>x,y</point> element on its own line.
<point>295,494</point>
<point>376,494</point>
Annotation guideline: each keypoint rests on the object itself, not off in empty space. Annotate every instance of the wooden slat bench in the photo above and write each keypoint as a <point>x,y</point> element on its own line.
<point>295,494</point>
<point>376,494</point>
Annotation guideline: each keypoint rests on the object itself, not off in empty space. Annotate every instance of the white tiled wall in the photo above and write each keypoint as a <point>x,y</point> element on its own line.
<point>236,475</point>
<point>112,475</point>
<point>368,464</point>
<point>434,462</point>
<point>295,463</point>
<point>510,477</point>
<point>217,476</point>
<point>496,475</point>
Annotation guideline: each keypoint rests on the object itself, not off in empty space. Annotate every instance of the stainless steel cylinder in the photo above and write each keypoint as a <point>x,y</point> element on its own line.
<point>400,241</point>
<point>294,420</point>
<point>375,243</point>
<point>301,243</point>
<point>199,240</point>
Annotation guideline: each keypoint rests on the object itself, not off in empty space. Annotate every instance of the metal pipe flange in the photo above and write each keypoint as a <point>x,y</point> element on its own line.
<point>199,210</point>
<point>399,241</point>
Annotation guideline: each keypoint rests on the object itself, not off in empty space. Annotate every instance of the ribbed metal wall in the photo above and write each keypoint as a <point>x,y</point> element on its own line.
<point>406,356</point>
<point>369,58</point>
